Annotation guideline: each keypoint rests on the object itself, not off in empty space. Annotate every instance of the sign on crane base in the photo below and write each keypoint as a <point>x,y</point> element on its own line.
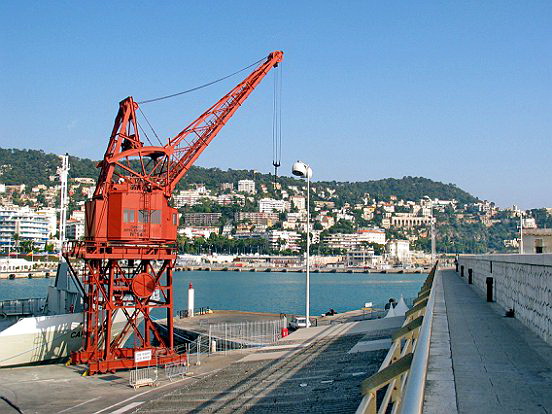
<point>141,356</point>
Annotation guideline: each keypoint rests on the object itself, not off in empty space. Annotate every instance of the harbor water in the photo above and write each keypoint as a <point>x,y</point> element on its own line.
<point>265,291</point>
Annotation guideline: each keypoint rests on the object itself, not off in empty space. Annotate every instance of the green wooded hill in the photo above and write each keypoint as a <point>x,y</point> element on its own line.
<point>33,167</point>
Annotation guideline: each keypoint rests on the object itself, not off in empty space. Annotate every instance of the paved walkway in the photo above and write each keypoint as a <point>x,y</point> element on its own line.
<point>499,365</point>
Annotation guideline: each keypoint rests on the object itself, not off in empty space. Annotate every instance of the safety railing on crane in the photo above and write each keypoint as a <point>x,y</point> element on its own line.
<point>401,376</point>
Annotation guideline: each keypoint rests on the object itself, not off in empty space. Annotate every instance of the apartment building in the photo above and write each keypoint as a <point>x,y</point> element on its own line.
<point>18,224</point>
<point>284,240</point>
<point>246,186</point>
<point>267,219</point>
<point>269,205</point>
<point>354,241</point>
<point>201,219</point>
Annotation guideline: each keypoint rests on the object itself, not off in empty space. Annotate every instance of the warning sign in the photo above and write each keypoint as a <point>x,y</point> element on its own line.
<point>141,356</point>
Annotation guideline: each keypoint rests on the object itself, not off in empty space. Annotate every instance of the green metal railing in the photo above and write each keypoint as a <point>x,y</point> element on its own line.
<point>401,376</point>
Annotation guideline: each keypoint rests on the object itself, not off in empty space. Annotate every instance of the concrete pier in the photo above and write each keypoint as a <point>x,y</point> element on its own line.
<point>317,368</point>
<point>496,364</point>
<point>480,361</point>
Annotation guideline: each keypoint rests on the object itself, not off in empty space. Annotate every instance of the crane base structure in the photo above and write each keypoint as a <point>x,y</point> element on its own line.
<point>132,280</point>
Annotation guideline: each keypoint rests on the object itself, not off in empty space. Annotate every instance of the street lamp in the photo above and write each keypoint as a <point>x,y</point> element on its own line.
<point>521,233</point>
<point>432,223</point>
<point>301,169</point>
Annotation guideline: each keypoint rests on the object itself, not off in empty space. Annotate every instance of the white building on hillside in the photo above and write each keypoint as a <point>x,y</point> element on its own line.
<point>19,224</point>
<point>298,202</point>
<point>268,205</point>
<point>190,197</point>
<point>74,229</point>
<point>246,186</point>
<point>356,240</point>
<point>194,232</point>
<point>229,199</point>
<point>50,214</point>
<point>408,220</point>
<point>283,240</point>
<point>399,250</point>
<point>372,236</point>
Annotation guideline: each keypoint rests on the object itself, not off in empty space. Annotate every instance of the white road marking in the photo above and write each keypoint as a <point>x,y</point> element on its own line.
<point>153,389</point>
<point>127,407</point>
<point>41,380</point>
<point>78,405</point>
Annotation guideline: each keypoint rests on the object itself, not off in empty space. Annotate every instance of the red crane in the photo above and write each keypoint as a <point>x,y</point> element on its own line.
<point>129,249</point>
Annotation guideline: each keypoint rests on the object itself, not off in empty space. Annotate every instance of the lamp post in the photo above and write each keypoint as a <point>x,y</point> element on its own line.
<point>432,230</point>
<point>304,170</point>
<point>521,233</point>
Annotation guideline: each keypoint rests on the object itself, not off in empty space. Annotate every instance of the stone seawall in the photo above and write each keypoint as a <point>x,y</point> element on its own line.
<point>520,282</point>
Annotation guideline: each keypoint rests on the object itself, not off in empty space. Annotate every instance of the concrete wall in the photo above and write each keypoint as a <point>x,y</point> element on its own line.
<point>520,282</point>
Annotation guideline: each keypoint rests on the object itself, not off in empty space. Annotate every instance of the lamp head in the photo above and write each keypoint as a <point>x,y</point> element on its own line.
<point>301,169</point>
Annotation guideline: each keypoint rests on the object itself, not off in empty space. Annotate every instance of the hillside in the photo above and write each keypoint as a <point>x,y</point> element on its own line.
<point>33,167</point>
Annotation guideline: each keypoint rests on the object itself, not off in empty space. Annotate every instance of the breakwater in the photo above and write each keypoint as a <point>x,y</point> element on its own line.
<point>288,269</point>
<point>520,283</point>
<point>29,274</point>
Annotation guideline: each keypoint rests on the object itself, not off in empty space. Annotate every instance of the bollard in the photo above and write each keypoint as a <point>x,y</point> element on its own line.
<point>462,270</point>
<point>489,282</point>
<point>213,346</point>
<point>470,276</point>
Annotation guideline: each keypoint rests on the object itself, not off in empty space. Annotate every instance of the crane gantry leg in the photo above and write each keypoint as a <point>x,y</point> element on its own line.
<point>123,296</point>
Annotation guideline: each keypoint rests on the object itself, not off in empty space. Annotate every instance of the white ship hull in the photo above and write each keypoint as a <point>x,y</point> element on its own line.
<point>44,338</point>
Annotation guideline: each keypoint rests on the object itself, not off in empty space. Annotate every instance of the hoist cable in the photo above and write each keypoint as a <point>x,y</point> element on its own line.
<point>281,70</point>
<point>274,118</point>
<point>151,127</point>
<point>277,122</point>
<point>201,86</point>
<point>144,132</point>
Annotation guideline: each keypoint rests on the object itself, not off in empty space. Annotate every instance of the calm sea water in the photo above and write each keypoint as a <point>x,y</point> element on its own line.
<point>265,291</point>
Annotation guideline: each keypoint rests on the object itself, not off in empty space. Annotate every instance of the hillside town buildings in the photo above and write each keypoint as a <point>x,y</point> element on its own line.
<point>364,230</point>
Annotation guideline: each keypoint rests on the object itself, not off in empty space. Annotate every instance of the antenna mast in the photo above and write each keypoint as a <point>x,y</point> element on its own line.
<point>63,172</point>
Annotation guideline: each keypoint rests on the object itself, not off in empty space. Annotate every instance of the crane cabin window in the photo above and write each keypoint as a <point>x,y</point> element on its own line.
<point>128,215</point>
<point>149,216</point>
<point>143,216</point>
<point>155,216</point>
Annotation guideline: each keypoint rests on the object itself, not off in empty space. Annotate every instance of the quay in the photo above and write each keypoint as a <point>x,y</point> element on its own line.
<point>314,362</point>
<point>299,269</point>
<point>481,361</point>
<point>29,274</point>
<point>477,340</point>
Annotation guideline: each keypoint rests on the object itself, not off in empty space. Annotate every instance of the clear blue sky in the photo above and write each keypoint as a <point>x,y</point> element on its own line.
<point>458,92</point>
